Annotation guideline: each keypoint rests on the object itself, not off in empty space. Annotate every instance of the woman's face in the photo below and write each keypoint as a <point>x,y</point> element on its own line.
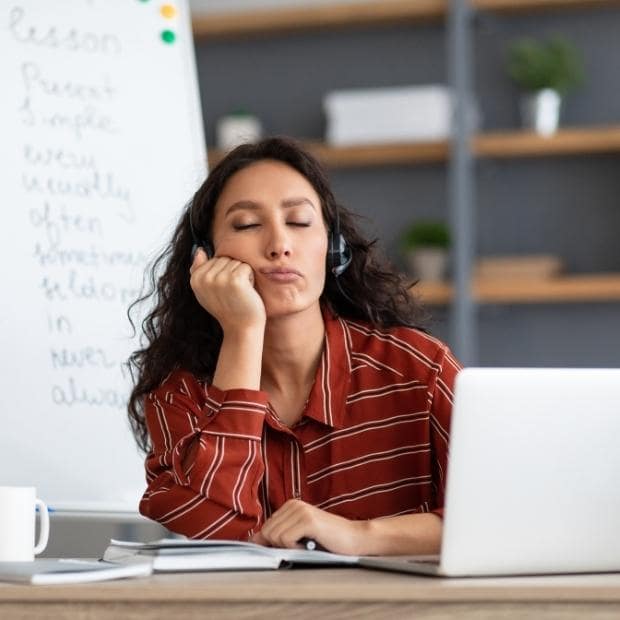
<point>269,216</point>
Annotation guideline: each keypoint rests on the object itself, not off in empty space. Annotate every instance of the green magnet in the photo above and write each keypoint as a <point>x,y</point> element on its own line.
<point>168,36</point>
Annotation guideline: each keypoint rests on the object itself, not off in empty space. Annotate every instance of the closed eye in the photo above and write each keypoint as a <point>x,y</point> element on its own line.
<point>256,225</point>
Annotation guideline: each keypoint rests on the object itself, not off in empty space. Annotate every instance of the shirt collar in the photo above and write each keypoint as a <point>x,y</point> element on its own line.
<point>327,400</point>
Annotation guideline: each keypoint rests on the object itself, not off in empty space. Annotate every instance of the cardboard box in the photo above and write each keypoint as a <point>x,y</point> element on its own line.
<point>534,266</point>
<point>383,115</point>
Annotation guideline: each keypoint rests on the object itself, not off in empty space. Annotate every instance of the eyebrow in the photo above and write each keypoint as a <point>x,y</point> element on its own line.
<point>253,206</point>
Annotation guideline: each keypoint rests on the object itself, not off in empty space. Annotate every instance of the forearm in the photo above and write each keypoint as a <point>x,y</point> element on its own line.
<point>206,484</point>
<point>205,466</point>
<point>240,359</point>
<point>416,534</point>
<point>183,511</point>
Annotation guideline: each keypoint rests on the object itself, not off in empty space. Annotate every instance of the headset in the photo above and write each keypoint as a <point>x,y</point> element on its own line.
<point>339,254</point>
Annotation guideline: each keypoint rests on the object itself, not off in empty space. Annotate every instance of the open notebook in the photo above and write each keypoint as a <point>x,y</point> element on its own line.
<point>172,554</point>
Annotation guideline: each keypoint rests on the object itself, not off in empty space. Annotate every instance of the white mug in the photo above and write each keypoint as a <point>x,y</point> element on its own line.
<point>17,518</point>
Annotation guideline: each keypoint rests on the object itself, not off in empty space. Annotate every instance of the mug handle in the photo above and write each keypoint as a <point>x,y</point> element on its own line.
<point>44,532</point>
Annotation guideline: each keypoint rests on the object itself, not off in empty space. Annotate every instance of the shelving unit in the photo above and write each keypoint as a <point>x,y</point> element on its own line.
<point>273,21</point>
<point>384,12</point>
<point>498,145</point>
<point>459,153</point>
<point>530,6</point>
<point>567,141</point>
<point>566,289</point>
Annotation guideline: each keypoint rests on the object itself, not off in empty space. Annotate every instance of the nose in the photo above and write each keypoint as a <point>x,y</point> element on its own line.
<point>279,243</point>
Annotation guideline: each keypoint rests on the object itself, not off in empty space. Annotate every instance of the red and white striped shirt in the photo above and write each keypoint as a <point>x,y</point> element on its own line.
<point>372,441</point>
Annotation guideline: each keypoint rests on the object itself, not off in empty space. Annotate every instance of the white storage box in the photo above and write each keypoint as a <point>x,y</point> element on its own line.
<point>395,114</point>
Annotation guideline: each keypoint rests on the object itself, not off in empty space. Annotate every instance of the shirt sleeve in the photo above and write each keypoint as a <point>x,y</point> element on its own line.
<point>442,399</point>
<point>205,466</point>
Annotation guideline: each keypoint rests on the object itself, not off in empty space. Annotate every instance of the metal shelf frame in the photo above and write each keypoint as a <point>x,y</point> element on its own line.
<point>461,182</point>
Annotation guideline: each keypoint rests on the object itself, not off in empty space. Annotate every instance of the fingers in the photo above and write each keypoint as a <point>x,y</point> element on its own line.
<point>217,266</point>
<point>296,519</point>
<point>210,265</point>
<point>259,539</point>
<point>288,524</point>
<point>220,268</point>
<point>224,287</point>
<point>200,258</point>
<point>244,271</point>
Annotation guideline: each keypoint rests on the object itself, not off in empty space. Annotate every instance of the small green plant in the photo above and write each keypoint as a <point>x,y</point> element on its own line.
<point>555,63</point>
<point>425,233</point>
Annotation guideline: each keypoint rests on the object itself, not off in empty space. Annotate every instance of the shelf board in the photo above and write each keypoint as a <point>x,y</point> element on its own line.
<point>371,155</point>
<point>505,144</point>
<point>527,6</point>
<point>565,289</point>
<point>294,18</point>
<point>343,15</point>
<point>568,141</point>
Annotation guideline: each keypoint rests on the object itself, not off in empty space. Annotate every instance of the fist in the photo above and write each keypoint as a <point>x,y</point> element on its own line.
<point>224,287</point>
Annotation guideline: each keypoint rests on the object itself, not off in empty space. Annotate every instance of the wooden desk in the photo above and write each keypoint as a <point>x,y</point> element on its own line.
<point>320,594</point>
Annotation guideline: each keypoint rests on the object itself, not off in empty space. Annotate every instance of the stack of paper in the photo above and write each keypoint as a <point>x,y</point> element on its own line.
<point>383,115</point>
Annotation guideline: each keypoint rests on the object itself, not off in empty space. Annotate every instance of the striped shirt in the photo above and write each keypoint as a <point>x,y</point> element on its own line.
<point>372,441</point>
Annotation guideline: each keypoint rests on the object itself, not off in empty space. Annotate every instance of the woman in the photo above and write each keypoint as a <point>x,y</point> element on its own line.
<point>285,393</point>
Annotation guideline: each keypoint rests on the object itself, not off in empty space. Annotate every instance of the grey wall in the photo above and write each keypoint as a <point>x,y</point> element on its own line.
<point>594,31</point>
<point>567,206</point>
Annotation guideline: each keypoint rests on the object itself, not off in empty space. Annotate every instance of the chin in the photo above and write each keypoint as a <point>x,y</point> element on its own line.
<point>279,308</point>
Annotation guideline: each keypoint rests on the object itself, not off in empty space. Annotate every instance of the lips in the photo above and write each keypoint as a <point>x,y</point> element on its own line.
<point>281,274</point>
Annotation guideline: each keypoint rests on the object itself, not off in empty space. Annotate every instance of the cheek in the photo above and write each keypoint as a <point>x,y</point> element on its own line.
<point>234,247</point>
<point>318,256</point>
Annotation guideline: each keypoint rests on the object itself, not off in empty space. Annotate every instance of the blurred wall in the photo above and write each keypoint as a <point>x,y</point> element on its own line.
<point>565,206</point>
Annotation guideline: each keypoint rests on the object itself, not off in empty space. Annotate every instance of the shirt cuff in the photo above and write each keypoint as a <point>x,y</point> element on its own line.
<point>240,413</point>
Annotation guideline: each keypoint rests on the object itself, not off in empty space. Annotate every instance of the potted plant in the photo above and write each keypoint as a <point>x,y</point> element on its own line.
<point>425,246</point>
<point>545,71</point>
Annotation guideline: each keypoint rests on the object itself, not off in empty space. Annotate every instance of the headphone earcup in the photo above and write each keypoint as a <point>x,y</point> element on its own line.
<point>339,255</point>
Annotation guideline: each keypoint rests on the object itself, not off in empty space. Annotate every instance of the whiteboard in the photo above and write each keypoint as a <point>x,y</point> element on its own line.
<point>101,145</point>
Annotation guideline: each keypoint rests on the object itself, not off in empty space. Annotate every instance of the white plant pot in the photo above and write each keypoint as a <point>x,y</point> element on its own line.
<point>540,111</point>
<point>233,130</point>
<point>428,264</point>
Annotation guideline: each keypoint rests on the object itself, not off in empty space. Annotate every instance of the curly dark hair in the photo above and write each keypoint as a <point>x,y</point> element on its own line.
<point>179,333</point>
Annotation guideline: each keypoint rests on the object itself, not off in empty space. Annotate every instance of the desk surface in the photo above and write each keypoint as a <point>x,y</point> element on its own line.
<point>323,593</point>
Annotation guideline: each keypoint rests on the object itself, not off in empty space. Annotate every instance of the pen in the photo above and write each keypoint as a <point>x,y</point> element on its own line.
<point>310,544</point>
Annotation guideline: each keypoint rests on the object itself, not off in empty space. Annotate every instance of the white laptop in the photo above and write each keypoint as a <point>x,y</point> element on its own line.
<point>533,483</point>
